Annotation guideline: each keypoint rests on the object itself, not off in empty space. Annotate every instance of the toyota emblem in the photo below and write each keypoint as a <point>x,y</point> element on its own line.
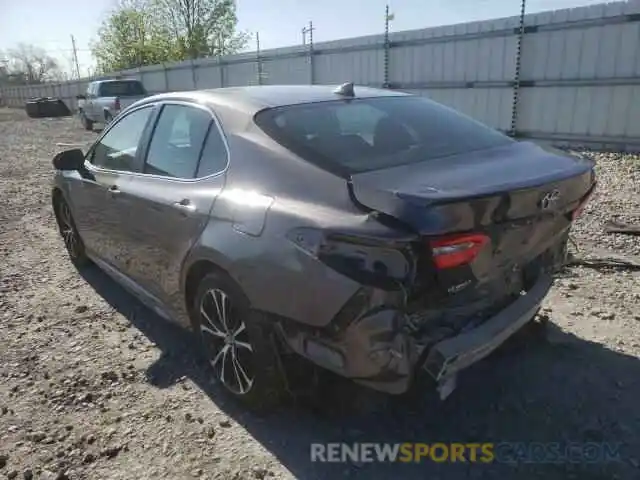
<point>549,199</point>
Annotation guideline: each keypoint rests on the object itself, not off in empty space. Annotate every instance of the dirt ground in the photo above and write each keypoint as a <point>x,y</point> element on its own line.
<point>95,386</point>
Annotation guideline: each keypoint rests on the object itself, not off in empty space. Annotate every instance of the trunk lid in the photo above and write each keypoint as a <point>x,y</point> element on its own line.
<point>518,199</point>
<point>479,188</point>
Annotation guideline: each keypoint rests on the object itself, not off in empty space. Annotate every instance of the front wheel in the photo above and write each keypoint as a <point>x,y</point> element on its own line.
<point>69,233</point>
<point>238,343</point>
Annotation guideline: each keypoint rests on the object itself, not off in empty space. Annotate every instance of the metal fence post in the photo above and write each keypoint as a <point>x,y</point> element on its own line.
<point>194,76</point>
<point>166,77</point>
<point>258,59</point>
<point>220,62</point>
<point>309,30</point>
<point>387,18</point>
<point>312,75</point>
<point>516,81</point>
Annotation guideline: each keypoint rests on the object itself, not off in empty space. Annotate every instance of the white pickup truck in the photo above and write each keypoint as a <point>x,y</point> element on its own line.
<point>106,98</point>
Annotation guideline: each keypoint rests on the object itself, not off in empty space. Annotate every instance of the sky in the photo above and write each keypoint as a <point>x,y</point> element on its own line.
<point>49,24</point>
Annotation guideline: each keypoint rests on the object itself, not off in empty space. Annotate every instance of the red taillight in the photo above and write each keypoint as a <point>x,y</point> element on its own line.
<point>116,104</point>
<point>578,211</point>
<point>457,250</point>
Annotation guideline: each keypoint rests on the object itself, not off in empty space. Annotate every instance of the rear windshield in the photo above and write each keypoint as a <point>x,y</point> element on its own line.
<point>122,88</point>
<point>358,135</point>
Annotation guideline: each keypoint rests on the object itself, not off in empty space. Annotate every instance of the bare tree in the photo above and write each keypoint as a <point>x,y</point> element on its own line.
<point>31,64</point>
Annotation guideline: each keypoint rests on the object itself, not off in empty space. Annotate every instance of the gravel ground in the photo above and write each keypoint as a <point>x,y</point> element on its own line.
<point>94,386</point>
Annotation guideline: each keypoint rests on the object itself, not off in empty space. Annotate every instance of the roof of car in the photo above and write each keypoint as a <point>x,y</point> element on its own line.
<point>267,96</point>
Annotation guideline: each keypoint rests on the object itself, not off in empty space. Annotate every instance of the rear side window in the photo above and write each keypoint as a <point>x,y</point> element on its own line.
<point>214,155</point>
<point>357,135</point>
<point>121,88</point>
<point>177,141</point>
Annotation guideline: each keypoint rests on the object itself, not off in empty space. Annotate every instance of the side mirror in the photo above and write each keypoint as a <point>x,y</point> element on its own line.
<point>69,160</point>
<point>81,97</point>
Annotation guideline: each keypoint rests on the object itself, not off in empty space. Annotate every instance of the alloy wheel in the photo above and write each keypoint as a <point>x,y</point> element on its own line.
<point>68,230</point>
<point>227,342</point>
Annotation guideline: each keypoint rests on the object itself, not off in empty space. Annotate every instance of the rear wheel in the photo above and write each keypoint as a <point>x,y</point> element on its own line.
<point>237,343</point>
<point>69,233</point>
<point>86,123</point>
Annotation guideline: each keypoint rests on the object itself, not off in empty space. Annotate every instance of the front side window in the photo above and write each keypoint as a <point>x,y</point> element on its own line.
<point>177,141</point>
<point>362,134</point>
<point>118,148</point>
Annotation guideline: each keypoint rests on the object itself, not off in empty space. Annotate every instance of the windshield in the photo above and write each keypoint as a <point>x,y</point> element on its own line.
<point>357,135</point>
<point>121,88</point>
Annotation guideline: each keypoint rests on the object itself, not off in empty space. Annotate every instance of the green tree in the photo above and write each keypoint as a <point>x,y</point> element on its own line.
<point>202,27</point>
<point>148,32</point>
<point>130,37</point>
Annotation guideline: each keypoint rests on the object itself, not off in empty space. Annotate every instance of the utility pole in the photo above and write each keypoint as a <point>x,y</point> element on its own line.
<point>75,56</point>
<point>308,29</point>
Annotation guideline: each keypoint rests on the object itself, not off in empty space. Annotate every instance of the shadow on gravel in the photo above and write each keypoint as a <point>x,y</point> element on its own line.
<point>563,390</point>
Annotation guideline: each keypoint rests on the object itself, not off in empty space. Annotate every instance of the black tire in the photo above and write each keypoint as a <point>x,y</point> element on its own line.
<point>31,107</point>
<point>86,123</point>
<point>69,233</point>
<point>48,107</point>
<point>60,109</point>
<point>241,351</point>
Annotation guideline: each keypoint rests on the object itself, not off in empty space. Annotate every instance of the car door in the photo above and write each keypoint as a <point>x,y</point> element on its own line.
<point>99,200</point>
<point>183,173</point>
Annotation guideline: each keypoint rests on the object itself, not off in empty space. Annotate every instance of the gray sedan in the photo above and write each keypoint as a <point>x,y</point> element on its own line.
<point>377,234</point>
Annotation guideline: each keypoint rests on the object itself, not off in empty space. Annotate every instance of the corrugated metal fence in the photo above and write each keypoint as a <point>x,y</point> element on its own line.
<point>579,78</point>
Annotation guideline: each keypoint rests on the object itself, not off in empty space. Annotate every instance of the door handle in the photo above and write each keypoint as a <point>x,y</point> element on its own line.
<point>114,189</point>
<point>185,205</point>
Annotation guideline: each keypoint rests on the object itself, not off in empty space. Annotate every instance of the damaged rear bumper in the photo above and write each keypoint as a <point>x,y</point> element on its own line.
<point>454,354</point>
<point>377,351</point>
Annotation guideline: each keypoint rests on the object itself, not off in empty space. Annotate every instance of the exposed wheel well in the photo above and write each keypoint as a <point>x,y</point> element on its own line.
<point>196,273</point>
